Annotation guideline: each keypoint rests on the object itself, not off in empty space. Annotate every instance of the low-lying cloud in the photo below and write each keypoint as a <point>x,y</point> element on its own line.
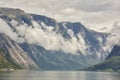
<point>51,40</point>
<point>4,28</point>
<point>54,41</point>
<point>114,38</point>
<point>48,38</point>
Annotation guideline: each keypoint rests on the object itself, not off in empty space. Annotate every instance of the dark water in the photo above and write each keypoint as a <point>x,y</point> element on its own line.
<point>59,75</point>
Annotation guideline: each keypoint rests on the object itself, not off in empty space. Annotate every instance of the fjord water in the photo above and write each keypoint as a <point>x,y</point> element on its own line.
<point>59,75</point>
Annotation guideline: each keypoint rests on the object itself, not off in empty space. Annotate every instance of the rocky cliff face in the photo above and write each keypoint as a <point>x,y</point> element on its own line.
<point>15,52</point>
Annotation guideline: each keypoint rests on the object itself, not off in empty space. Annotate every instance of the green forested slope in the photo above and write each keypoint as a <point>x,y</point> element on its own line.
<point>112,63</point>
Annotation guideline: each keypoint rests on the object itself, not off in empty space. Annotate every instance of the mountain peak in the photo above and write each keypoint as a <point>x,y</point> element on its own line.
<point>41,18</point>
<point>9,14</point>
<point>76,27</point>
<point>10,11</point>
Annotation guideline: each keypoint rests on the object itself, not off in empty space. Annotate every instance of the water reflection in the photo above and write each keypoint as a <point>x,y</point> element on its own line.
<point>58,75</point>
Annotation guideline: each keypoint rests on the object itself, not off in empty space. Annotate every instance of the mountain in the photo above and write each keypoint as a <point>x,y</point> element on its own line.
<point>75,30</point>
<point>112,62</point>
<point>53,45</point>
<point>115,52</point>
<point>55,60</point>
<point>14,54</point>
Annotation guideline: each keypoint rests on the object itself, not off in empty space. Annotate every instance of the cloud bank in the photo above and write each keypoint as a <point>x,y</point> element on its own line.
<point>53,41</point>
<point>48,39</point>
<point>114,38</point>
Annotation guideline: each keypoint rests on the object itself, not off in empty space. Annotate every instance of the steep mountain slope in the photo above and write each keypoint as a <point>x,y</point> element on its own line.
<point>115,52</point>
<point>52,45</point>
<point>112,63</point>
<point>14,53</point>
<point>6,62</point>
<point>51,59</point>
<point>56,60</point>
<point>91,38</point>
<point>89,41</point>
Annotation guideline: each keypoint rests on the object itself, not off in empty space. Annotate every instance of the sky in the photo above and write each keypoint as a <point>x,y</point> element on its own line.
<point>95,14</point>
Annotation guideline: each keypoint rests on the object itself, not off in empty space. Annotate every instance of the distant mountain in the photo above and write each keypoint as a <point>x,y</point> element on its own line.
<point>49,44</point>
<point>115,52</point>
<point>112,63</point>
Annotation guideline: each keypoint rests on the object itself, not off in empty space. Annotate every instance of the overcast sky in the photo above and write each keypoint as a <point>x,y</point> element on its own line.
<point>97,14</point>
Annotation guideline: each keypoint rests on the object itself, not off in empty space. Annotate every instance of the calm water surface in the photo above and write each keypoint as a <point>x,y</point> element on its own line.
<point>59,75</point>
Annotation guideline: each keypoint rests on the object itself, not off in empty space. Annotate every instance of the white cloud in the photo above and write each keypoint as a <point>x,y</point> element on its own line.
<point>48,39</point>
<point>4,28</point>
<point>51,40</point>
<point>68,11</point>
<point>114,38</point>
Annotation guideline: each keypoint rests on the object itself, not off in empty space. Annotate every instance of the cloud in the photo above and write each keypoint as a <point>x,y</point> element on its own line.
<point>93,5</point>
<point>116,28</point>
<point>49,39</point>
<point>4,28</point>
<point>114,38</point>
<point>68,11</point>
